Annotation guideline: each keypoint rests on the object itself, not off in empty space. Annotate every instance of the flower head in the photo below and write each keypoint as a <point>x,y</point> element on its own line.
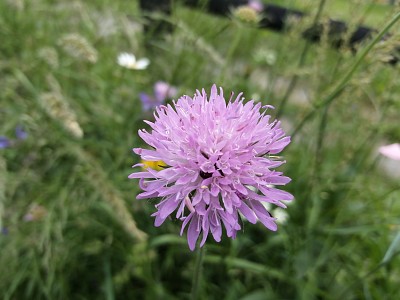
<point>162,91</point>
<point>246,14</point>
<point>391,151</point>
<point>4,142</point>
<point>20,133</point>
<point>257,5</point>
<point>128,60</point>
<point>217,156</point>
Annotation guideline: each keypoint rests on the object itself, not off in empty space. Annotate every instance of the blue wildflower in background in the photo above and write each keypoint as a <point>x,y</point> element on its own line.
<point>20,134</point>
<point>4,142</point>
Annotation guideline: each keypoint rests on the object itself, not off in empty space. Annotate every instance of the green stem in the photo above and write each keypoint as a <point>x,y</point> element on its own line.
<point>316,176</point>
<point>354,164</point>
<point>345,79</point>
<point>302,60</point>
<point>2,189</point>
<point>234,45</point>
<point>197,273</point>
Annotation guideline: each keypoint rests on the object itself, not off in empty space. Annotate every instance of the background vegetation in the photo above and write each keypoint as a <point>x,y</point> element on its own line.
<point>71,227</point>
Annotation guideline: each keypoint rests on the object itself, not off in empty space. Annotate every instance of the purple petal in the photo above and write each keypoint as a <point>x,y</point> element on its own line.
<point>278,146</point>
<point>263,215</point>
<point>193,232</point>
<point>168,207</point>
<point>276,194</point>
<point>146,195</point>
<point>206,229</point>
<point>141,175</point>
<point>248,213</point>
<point>185,222</point>
<point>158,221</point>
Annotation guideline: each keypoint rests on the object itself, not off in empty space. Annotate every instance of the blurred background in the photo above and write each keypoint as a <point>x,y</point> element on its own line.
<point>77,79</point>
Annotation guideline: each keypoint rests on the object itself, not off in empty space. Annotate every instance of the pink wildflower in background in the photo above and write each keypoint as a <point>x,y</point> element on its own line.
<point>217,156</point>
<point>162,92</point>
<point>257,5</point>
<point>391,151</point>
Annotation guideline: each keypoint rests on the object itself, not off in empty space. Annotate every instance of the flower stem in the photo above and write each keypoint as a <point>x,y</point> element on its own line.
<point>346,78</point>
<point>197,273</point>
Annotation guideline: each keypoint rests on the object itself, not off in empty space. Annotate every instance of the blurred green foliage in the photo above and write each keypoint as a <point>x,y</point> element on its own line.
<point>90,239</point>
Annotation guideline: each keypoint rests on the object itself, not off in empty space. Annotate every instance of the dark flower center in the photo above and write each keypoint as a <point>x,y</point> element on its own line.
<point>205,175</point>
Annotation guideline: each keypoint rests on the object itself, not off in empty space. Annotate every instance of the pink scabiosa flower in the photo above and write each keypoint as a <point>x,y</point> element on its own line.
<point>220,161</point>
<point>391,151</point>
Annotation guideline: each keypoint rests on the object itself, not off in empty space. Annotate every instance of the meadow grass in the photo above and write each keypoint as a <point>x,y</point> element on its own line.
<point>89,238</point>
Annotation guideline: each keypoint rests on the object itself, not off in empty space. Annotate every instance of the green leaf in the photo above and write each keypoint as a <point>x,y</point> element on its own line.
<point>393,249</point>
<point>167,239</point>
<point>234,262</point>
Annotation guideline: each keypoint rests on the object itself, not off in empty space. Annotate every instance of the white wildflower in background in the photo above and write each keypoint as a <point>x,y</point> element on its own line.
<point>129,61</point>
<point>78,47</point>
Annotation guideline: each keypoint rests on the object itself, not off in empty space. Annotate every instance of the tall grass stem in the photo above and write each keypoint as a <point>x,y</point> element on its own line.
<point>295,77</point>
<point>345,79</point>
<point>231,51</point>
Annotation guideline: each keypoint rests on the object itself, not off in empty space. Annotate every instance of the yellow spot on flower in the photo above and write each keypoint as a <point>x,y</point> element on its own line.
<point>155,165</point>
